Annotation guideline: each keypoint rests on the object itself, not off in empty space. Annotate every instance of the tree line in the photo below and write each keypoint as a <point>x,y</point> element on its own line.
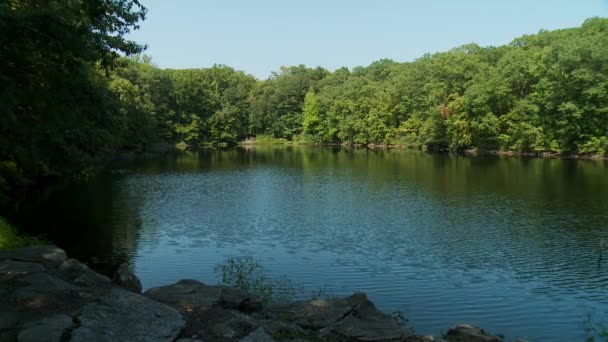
<point>546,92</point>
<point>75,90</point>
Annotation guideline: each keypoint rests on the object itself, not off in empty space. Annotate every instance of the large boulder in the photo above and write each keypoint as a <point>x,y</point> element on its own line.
<point>468,333</point>
<point>349,318</point>
<point>80,274</point>
<point>125,316</point>
<point>48,255</point>
<point>48,329</point>
<point>11,268</point>
<point>258,335</point>
<point>218,324</point>
<point>187,295</point>
<point>43,292</point>
<point>125,278</point>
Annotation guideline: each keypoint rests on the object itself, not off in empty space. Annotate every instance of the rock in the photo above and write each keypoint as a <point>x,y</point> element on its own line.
<point>423,339</point>
<point>366,323</point>
<point>46,297</point>
<point>40,291</point>
<point>8,336</point>
<point>468,333</point>
<point>234,298</point>
<point>49,329</point>
<point>125,316</point>
<point>126,279</point>
<point>188,294</point>
<point>353,317</point>
<point>258,335</point>
<point>15,268</point>
<point>82,275</point>
<point>46,254</point>
<point>72,267</point>
<point>8,320</point>
<point>281,330</point>
<point>218,324</point>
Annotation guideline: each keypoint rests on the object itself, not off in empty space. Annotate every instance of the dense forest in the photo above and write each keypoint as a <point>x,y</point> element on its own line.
<point>75,90</point>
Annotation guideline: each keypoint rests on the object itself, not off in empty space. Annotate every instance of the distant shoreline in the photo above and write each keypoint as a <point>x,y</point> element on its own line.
<point>468,152</point>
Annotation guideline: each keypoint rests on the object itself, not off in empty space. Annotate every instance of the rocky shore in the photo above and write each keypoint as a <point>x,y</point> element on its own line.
<point>44,296</point>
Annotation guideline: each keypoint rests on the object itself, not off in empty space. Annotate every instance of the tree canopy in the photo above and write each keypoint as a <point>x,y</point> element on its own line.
<point>75,90</point>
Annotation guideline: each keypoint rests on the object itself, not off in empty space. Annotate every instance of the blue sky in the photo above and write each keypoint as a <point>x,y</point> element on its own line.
<point>260,36</point>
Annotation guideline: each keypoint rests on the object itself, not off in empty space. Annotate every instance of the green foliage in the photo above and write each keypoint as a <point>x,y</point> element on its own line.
<point>58,116</point>
<point>310,113</point>
<point>246,274</point>
<point>595,331</point>
<point>269,140</point>
<point>249,275</point>
<point>75,90</point>
<point>10,239</point>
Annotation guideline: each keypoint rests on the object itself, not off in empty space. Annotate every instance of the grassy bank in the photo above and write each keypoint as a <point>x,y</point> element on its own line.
<point>11,239</point>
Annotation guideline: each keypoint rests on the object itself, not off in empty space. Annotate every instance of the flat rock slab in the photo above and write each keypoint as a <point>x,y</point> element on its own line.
<point>469,333</point>
<point>15,268</point>
<point>42,291</point>
<point>45,254</point>
<point>49,329</point>
<point>258,335</point>
<point>80,274</point>
<point>188,294</point>
<point>125,278</point>
<point>366,323</point>
<point>125,316</point>
<point>349,318</point>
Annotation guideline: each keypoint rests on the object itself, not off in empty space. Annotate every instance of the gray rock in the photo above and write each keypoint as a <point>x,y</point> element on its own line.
<point>353,317</point>
<point>8,335</point>
<point>286,330</point>
<point>427,338</point>
<point>366,323</point>
<point>46,254</point>
<point>125,316</point>
<point>81,274</point>
<point>188,294</point>
<point>468,333</point>
<point>8,320</point>
<point>258,335</point>
<point>12,267</point>
<point>126,279</point>
<point>49,329</point>
<point>72,267</point>
<point>41,290</point>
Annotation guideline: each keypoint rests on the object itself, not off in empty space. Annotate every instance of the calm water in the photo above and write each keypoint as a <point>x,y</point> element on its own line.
<point>508,244</point>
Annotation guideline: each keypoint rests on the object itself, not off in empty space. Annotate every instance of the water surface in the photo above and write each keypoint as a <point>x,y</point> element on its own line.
<point>509,244</point>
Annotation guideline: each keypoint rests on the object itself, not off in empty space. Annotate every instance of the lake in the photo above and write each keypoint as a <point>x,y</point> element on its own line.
<point>509,244</point>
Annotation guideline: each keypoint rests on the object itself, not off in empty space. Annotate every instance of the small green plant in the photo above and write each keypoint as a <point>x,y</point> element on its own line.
<point>595,331</point>
<point>322,293</point>
<point>247,274</point>
<point>400,318</point>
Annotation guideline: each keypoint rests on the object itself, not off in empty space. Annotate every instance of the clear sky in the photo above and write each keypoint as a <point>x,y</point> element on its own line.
<point>259,36</point>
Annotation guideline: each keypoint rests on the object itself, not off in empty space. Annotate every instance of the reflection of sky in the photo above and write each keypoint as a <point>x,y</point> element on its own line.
<point>507,244</point>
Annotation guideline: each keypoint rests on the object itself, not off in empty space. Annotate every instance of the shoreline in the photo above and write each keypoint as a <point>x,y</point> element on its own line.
<point>52,298</point>
<point>472,152</point>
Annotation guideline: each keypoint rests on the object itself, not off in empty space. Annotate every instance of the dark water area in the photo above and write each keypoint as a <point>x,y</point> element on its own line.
<point>508,244</point>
